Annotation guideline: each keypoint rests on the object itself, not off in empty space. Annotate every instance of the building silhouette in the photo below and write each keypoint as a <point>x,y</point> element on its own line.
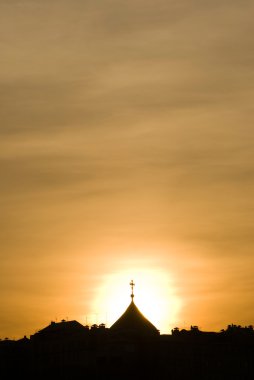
<point>132,348</point>
<point>133,322</point>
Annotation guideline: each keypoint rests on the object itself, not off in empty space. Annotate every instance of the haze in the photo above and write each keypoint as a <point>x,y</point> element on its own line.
<point>126,142</point>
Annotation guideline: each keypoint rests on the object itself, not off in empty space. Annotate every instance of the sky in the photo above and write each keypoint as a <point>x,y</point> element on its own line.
<point>126,151</point>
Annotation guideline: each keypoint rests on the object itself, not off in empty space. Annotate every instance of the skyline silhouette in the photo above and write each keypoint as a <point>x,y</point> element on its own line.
<point>131,347</point>
<point>133,318</point>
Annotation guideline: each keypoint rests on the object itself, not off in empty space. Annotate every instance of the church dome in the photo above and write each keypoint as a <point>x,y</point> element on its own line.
<point>133,321</point>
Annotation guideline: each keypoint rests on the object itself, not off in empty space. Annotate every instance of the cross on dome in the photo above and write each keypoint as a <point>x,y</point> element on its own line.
<point>132,285</point>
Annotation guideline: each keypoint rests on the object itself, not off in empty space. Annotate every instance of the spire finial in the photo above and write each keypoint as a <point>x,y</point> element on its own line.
<point>132,285</point>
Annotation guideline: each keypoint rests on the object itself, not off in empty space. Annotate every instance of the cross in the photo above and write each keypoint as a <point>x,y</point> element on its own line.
<point>132,285</point>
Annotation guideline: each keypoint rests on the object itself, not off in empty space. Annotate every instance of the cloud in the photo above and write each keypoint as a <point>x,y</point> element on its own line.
<point>124,126</point>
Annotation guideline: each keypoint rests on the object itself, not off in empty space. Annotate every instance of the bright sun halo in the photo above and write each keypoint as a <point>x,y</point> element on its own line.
<point>153,295</point>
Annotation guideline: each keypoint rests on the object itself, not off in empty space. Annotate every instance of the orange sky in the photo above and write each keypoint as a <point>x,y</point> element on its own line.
<point>126,146</point>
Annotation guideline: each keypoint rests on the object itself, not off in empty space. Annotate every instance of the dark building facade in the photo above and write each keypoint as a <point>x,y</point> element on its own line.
<point>132,348</point>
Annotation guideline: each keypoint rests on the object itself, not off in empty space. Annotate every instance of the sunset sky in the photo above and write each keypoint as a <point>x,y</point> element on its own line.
<point>126,152</point>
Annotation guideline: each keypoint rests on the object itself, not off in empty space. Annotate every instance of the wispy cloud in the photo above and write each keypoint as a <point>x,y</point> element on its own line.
<point>123,125</point>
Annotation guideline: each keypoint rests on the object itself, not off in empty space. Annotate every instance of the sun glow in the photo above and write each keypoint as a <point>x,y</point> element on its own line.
<point>153,295</point>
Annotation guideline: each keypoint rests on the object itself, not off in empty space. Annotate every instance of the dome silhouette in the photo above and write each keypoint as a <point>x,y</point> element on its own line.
<point>133,321</point>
